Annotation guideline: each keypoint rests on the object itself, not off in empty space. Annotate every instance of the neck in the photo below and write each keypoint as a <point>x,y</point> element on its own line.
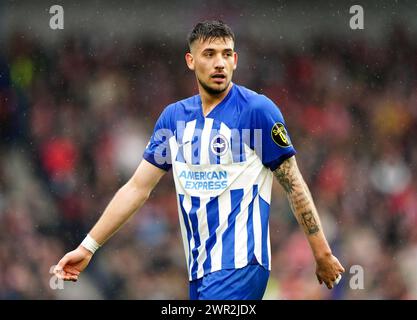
<point>209,101</point>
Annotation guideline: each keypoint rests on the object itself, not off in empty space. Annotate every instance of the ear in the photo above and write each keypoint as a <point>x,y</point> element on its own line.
<point>235,60</point>
<point>189,59</point>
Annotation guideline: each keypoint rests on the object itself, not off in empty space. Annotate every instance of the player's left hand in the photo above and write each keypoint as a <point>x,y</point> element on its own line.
<point>328,270</point>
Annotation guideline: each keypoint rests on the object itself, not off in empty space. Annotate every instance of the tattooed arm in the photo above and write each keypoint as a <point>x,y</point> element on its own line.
<point>302,205</point>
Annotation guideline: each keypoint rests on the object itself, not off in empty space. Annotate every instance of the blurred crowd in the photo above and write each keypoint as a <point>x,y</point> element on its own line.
<point>75,118</point>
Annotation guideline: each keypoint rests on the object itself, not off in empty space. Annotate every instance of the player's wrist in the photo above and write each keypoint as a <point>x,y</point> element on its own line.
<point>90,244</point>
<point>323,255</point>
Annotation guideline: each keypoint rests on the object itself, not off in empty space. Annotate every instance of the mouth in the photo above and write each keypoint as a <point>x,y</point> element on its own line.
<point>218,77</point>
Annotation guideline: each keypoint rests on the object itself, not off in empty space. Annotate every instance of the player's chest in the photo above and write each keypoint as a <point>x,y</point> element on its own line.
<point>209,141</point>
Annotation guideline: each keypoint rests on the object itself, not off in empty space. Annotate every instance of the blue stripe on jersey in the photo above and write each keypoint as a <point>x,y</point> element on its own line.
<point>264,210</point>
<point>228,238</point>
<point>195,201</point>
<point>187,227</point>
<point>196,142</point>
<point>213,222</point>
<point>249,226</point>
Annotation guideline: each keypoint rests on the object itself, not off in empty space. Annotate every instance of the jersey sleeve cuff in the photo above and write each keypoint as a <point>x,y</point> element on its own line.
<point>150,158</point>
<point>273,165</point>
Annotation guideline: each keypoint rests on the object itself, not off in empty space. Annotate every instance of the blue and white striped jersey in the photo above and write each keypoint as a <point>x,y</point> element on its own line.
<point>222,165</point>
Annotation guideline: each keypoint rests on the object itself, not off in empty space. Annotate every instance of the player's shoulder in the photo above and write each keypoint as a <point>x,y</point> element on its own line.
<point>180,108</point>
<point>243,93</point>
<point>186,102</point>
<point>185,105</point>
<point>254,101</point>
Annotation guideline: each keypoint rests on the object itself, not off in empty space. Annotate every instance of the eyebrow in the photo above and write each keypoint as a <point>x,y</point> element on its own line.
<point>213,50</point>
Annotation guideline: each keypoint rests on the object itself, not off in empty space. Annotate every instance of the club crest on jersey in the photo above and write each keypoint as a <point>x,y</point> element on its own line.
<point>219,145</point>
<point>280,135</point>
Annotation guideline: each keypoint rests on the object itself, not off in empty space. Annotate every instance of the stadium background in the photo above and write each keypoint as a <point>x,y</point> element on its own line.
<point>77,107</point>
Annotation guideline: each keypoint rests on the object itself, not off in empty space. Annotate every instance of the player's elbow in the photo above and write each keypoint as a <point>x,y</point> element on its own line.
<point>140,191</point>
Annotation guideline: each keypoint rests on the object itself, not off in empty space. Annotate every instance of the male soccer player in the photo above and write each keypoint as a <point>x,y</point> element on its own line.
<point>223,145</point>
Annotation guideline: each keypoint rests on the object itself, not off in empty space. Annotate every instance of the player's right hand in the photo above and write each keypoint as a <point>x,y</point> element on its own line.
<point>72,264</point>
<point>328,270</point>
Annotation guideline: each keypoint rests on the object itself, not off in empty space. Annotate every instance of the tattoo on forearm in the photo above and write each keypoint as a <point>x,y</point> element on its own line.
<point>310,223</point>
<point>299,196</point>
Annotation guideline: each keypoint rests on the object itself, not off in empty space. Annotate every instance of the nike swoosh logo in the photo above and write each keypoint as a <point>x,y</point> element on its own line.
<point>183,144</point>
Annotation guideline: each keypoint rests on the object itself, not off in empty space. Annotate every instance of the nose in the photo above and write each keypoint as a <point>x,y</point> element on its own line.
<point>219,62</point>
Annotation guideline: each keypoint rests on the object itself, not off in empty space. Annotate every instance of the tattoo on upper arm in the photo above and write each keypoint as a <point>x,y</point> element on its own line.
<point>285,176</point>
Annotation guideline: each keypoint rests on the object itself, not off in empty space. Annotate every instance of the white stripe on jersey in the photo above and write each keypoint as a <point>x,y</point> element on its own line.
<point>257,229</point>
<point>173,145</point>
<point>187,141</point>
<point>241,231</point>
<point>227,133</point>
<point>205,141</point>
<point>265,193</point>
<point>204,234</point>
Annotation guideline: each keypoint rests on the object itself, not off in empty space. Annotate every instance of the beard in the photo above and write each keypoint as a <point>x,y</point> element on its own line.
<point>211,90</point>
